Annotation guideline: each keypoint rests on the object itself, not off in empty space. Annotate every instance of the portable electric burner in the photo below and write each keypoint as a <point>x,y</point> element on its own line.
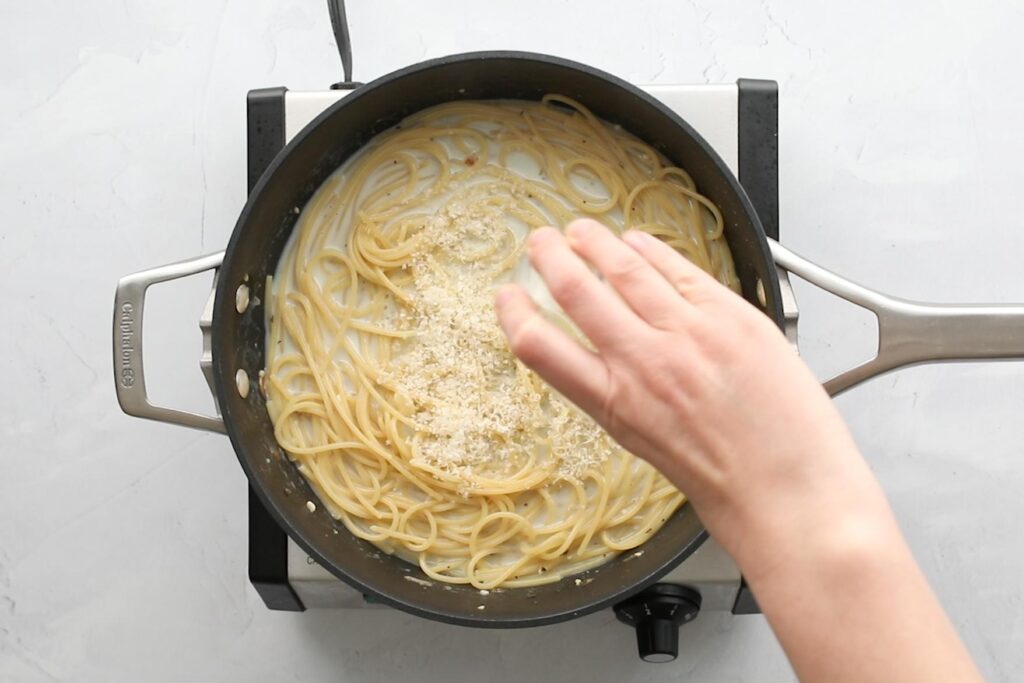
<point>740,121</point>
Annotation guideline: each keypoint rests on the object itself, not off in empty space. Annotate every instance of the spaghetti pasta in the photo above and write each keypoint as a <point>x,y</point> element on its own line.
<point>388,380</point>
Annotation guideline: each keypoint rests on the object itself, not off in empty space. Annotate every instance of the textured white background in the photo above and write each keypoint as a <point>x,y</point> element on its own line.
<point>122,543</point>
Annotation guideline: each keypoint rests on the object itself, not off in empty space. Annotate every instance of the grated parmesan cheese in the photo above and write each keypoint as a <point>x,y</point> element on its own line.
<point>478,410</point>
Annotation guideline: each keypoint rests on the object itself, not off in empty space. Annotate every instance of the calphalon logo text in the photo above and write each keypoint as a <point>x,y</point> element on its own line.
<point>127,373</point>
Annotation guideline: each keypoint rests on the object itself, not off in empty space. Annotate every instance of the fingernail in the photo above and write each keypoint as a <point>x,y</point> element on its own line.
<point>637,239</point>
<point>579,229</point>
<point>504,295</point>
<point>538,237</point>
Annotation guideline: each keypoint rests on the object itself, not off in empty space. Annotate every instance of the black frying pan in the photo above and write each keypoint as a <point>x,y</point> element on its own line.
<point>265,225</point>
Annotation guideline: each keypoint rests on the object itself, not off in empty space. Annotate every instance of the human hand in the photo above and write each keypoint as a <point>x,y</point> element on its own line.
<point>685,374</point>
<point>689,376</point>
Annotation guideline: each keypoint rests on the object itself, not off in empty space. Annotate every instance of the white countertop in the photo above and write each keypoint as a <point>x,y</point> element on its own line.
<point>123,543</point>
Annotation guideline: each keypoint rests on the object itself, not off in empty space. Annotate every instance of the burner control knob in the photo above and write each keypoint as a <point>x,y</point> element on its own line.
<point>657,613</point>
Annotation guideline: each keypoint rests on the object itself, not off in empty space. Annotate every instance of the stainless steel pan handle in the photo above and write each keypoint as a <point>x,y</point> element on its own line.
<point>911,332</point>
<point>129,377</point>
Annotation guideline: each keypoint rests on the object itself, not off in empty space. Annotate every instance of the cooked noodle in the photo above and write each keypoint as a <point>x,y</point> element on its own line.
<point>388,380</point>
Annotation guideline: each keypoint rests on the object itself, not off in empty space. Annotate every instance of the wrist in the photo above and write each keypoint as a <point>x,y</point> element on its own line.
<point>824,516</point>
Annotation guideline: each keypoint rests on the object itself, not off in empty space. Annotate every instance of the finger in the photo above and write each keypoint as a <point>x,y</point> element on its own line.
<point>695,285</point>
<point>591,304</point>
<point>577,373</point>
<point>640,285</point>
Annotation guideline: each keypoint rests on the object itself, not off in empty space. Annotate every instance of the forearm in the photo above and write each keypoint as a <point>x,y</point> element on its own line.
<point>842,592</point>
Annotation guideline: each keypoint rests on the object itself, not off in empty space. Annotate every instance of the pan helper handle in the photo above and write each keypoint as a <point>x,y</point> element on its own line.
<point>912,332</point>
<point>129,376</point>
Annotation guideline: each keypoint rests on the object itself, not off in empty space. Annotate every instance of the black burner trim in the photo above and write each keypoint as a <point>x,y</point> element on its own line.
<point>745,603</point>
<point>268,543</point>
<point>265,129</point>
<point>758,119</point>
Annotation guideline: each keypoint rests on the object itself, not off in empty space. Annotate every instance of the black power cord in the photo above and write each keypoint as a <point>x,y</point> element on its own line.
<point>339,23</point>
